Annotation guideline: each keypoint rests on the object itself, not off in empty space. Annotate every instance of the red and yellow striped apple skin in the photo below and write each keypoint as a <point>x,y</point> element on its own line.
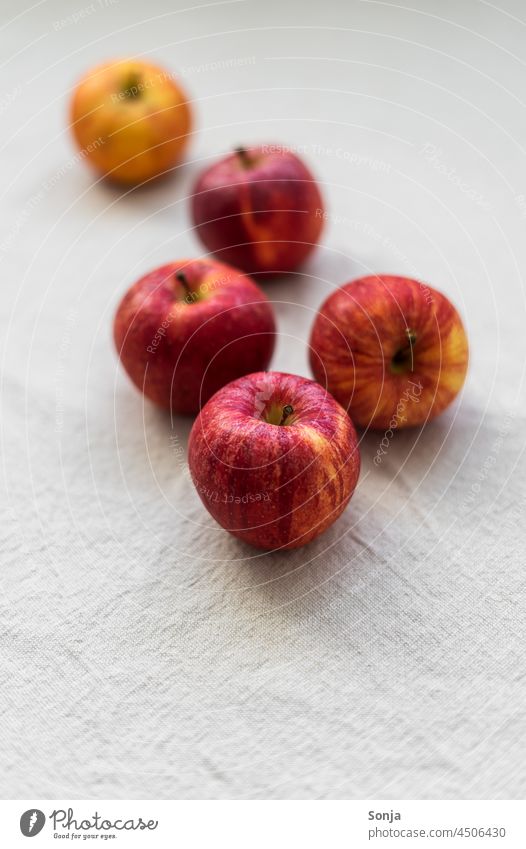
<point>179,352</point>
<point>265,218</point>
<point>362,326</point>
<point>275,487</point>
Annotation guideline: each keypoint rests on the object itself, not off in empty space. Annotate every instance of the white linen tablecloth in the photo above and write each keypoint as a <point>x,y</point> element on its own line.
<point>146,653</point>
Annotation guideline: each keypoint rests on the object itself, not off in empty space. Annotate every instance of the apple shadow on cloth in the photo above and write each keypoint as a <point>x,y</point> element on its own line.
<point>152,445</point>
<point>324,271</point>
<point>177,427</point>
<point>159,194</point>
<point>441,435</point>
<point>334,267</point>
<point>155,187</point>
<point>342,559</point>
<point>284,577</point>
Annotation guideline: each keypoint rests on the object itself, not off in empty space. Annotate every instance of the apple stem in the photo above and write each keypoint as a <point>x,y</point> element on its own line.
<point>184,283</point>
<point>411,336</point>
<point>287,411</point>
<point>132,87</point>
<point>243,156</point>
<point>402,361</point>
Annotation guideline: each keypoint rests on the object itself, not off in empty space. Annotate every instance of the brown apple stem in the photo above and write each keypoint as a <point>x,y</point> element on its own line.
<point>184,283</point>
<point>132,86</point>
<point>402,361</point>
<point>243,156</point>
<point>287,411</point>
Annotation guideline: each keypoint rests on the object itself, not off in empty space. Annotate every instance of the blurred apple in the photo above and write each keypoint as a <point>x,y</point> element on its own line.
<point>131,120</point>
<point>259,208</point>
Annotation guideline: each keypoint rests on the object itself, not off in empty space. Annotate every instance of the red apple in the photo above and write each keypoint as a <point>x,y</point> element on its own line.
<point>393,351</point>
<point>189,327</point>
<point>259,208</point>
<point>274,459</point>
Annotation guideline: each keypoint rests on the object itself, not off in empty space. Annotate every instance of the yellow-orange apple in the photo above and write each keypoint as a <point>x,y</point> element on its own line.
<point>131,120</point>
<point>393,351</point>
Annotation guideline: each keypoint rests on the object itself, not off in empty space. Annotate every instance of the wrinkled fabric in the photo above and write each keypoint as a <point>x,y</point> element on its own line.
<point>145,652</point>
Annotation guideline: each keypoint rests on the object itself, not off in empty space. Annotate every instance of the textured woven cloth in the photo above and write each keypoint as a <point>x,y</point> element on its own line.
<point>147,654</point>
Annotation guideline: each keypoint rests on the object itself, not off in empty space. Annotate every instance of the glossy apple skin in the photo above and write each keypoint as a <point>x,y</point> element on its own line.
<point>364,325</point>
<point>267,217</point>
<point>274,486</point>
<point>178,350</point>
<point>130,120</point>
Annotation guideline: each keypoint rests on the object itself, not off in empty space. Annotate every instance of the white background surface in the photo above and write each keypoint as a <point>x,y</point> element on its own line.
<point>146,653</point>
